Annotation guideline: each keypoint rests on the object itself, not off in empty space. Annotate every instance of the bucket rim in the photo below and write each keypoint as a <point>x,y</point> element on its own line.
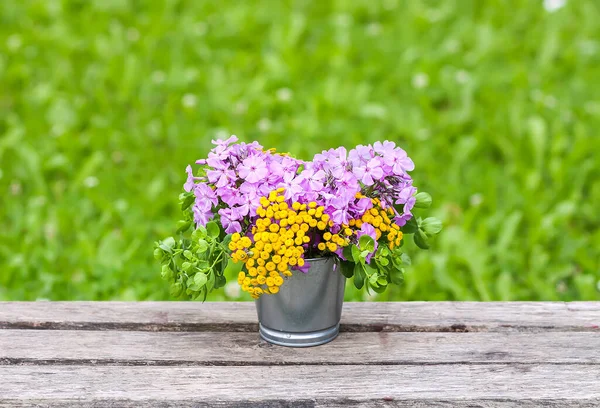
<point>320,259</point>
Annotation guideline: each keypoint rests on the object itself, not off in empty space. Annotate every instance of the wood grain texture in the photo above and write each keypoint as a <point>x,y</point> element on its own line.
<point>349,385</point>
<point>211,348</point>
<point>413,354</point>
<point>357,317</point>
<point>310,403</point>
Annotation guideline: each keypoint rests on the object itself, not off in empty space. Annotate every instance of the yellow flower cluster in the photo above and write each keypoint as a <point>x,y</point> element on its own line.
<point>379,218</point>
<point>278,238</point>
<point>281,233</point>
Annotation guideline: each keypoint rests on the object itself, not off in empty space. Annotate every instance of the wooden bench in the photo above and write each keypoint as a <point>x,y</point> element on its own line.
<point>448,354</point>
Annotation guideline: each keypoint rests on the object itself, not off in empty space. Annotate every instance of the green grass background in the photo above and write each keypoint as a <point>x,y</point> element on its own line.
<point>104,102</point>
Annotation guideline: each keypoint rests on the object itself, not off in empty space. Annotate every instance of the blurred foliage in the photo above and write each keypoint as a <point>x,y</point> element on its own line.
<point>104,102</point>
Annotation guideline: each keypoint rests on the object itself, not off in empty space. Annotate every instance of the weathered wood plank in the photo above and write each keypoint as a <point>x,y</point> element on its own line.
<point>457,385</point>
<point>240,316</point>
<point>211,348</point>
<point>312,403</point>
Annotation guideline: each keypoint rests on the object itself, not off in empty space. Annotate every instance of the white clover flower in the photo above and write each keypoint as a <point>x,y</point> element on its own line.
<point>420,80</point>
<point>554,5</point>
<point>90,182</point>
<point>189,101</point>
<point>284,94</point>
<point>264,125</point>
<point>232,290</point>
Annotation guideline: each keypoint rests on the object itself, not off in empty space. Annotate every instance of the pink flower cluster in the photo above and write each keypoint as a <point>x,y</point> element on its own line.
<point>238,174</point>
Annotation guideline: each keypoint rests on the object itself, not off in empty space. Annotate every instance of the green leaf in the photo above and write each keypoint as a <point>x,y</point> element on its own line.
<point>199,233</point>
<point>213,230</point>
<point>188,254</point>
<point>383,251</point>
<point>431,226</point>
<point>202,246</point>
<point>220,281</point>
<point>397,276</point>
<point>186,266</point>
<point>379,289</point>
<point>359,275</point>
<point>369,270</point>
<point>176,289</point>
<point>210,284</point>
<point>405,258</point>
<point>423,200</point>
<point>373,279</point>
<point>366,243</point>
<point>421,240</point>
<point>200,279</point>
<point>167,245</point>
<point>349,253</point>
<point>183,226</point>
<point>410,227</point>
<point>347,268</point>
<point>166,273</point>
<point>355,253</point>
<point>187,200</point>
<point>226,240</point>
<point>158,253</point>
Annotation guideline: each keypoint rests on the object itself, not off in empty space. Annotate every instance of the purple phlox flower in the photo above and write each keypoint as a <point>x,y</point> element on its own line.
<point>249,190</point>
<point>338,164</point>
<point>222,145</point>
<point>312,180</point>
<point>370,172</point>
<point>289,167</point>
<point>333,161</point>
<point>317,180</point>
<point>384,148</point>
<point>407,199</point>
<point>340,214</point>
<point>347,184</point>
<point>220,174</point>
<point>361,155</point>
<point>206,197</point>
<point>293,189</point>
<point>230,195</point>
<point>189,184</point>
<point>304,268</point>
<point>360,206</point>
<point>368,229</point>
<point>253,169</point>
<point>243,150</point>
<point>240,211</point>
<point>398,161</point>
<point>263,189</point>
<point>229,220</point>
<point>250,197</point>
<point>202,217</point>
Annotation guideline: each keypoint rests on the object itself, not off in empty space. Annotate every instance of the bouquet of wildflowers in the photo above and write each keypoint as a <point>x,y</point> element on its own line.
<point>260,215</point>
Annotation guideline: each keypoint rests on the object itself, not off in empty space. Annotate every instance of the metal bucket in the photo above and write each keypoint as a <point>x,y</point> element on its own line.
<point>307,310</point>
